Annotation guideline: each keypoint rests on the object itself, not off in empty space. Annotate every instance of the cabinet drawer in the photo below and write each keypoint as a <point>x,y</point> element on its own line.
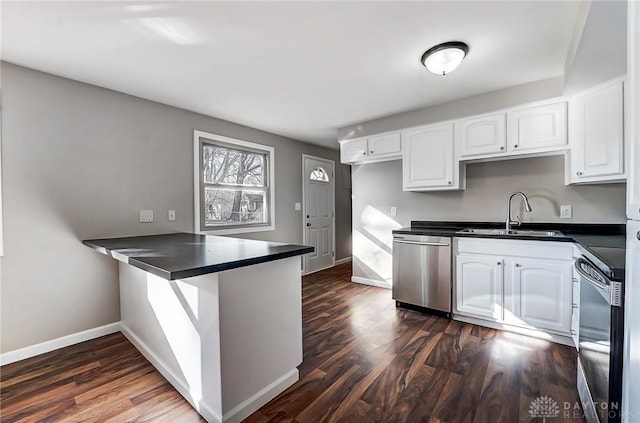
<point>522,248</point>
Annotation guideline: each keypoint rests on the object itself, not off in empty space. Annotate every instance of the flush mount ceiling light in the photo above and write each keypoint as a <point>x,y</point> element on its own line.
<point>444,57</point>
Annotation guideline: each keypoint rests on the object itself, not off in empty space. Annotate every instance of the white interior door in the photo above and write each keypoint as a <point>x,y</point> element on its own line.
<point>318,212</point>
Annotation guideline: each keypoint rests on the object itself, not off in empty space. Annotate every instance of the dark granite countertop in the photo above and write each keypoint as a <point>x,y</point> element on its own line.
<point>605,242</point>
<point>183,255</point>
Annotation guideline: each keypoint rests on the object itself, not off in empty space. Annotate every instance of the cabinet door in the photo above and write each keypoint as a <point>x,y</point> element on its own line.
<point>539,294</point>
<point>482,135</point>
<point>537,128</point>
<point>353,150</point>
<point>427,157</point>
<point>384,145</point>
<point>479,286</point>
<point>596,128</point>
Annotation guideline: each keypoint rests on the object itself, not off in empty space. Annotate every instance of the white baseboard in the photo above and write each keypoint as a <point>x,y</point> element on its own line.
<point>55,344</point>
<point>372,282</point>
<point>236,414</point>
<point>253,403</point>
<point>337,262</point>
<point>547,336</point>
<point>209,415</point>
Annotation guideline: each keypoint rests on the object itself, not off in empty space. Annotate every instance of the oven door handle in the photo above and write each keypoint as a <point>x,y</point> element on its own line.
<point>596,283</point>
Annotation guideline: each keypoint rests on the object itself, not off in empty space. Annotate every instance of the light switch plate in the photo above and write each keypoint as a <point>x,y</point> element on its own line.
<point>566,212</point>
<point>394,211</point>
<point>297,206</point>
<point>146,216</point>
<point>172,215</point>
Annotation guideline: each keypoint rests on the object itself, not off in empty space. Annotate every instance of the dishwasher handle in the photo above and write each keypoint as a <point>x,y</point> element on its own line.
<point>437,244</point>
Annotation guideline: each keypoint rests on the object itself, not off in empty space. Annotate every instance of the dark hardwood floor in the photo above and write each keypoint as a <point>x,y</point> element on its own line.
<point>364,361</point>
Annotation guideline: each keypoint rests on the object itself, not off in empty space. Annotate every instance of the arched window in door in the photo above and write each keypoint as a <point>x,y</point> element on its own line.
<point>319,174</point>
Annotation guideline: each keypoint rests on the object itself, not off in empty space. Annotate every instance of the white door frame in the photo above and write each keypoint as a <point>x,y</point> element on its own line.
<point>333,209</point>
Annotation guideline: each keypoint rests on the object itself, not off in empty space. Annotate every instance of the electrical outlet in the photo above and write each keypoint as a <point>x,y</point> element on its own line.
<point>566,212</point>
<point>394,211</point>
<point>146,216</point>
<point>172,215</point>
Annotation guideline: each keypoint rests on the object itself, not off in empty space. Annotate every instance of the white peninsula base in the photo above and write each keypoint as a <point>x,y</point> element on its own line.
<point>229,341</point>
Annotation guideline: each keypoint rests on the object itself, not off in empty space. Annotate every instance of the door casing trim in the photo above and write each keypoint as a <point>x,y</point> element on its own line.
<point>304,208</point>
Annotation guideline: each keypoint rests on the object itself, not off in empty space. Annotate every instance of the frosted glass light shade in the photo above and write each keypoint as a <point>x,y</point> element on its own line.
<point>445,57</point>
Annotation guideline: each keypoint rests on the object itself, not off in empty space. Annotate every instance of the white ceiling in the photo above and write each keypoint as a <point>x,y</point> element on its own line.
<point>298,69</point>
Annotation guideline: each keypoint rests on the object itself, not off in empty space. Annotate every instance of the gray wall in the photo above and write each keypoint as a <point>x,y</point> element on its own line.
<point>78,162</point>
<point>468,106</point>
<point>377,187</point>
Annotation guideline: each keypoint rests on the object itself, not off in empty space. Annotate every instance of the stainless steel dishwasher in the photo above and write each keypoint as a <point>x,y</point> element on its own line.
<point>422,272</point>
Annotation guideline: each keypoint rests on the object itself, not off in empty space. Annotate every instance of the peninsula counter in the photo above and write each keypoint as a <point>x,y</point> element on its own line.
<point>220,318</point>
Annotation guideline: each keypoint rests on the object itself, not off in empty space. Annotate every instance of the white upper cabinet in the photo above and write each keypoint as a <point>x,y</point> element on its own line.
<point>535,129</point>
<point>596,134</point>
<point>375,148</point>
<point>482,135</point>
<point>538,128</point>
<point>633,111</point>
<point>428,161</point>
<point>384,145</point>
<point>352,151</point>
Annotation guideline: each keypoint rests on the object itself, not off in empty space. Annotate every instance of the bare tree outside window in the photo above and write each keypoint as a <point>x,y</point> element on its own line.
<point>235,187</point>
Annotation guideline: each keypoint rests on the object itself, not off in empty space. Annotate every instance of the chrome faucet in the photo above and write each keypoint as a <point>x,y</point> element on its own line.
<point>527,207</point>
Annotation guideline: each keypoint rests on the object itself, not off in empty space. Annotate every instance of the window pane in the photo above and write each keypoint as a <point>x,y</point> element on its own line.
<point>233,207</point>
<point>319,174</point>
<point>229,166</point>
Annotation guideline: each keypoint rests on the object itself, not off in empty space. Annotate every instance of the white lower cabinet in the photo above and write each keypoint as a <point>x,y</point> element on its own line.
<point>528,284</point>
<point>539,293</point>
<point>479,285</point>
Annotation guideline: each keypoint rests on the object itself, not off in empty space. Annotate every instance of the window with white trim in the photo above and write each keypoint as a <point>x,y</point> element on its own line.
<point>319,174</point>
<point>233,185</point>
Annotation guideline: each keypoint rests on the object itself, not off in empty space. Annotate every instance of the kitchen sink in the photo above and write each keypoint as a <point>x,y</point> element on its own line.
<point>518,232</point>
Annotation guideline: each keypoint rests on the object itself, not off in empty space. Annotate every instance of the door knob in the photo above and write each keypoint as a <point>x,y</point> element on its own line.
<point>308,224</point>
<point>516,265</point>
<point>515,145</point>
<point>579,173</point>
<point>638,235</point>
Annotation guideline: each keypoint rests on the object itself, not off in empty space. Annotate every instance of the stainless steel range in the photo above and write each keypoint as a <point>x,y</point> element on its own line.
<point>600,346</point>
